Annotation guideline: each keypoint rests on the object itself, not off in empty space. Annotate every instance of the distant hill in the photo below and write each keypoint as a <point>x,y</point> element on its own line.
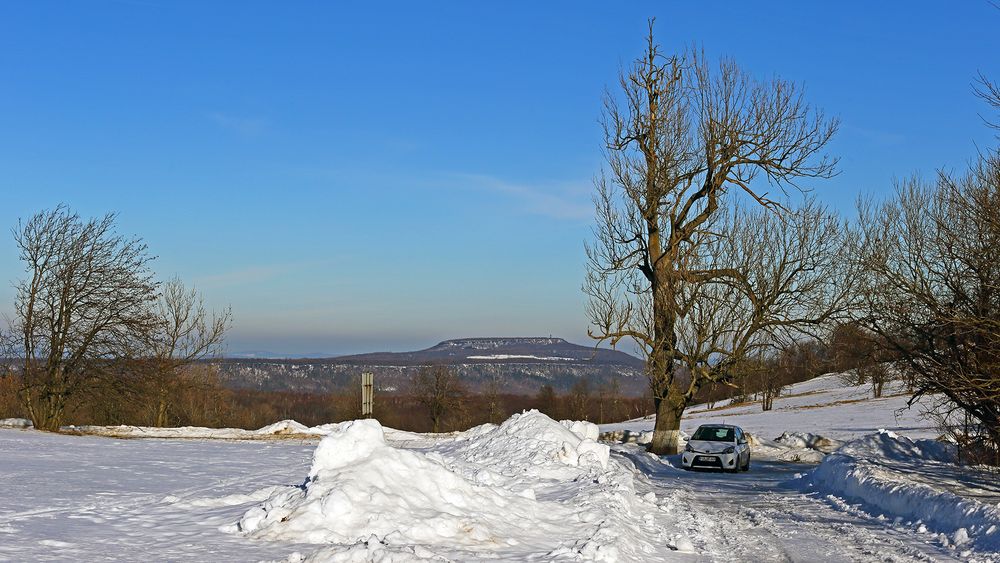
<point>522,365</point>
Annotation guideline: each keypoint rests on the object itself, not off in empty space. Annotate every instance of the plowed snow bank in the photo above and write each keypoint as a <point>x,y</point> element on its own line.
<point>905,478</point>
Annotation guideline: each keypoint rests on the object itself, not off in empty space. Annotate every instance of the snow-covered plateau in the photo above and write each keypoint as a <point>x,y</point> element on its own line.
<point>835,476</point>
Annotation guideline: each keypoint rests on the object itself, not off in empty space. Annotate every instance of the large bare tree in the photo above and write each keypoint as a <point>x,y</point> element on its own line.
<point>185,333</point>
<point>84,304</point>
<point>694,260</point>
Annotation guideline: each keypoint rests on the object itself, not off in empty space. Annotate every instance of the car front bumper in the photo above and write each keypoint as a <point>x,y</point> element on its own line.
<point>708,460</point>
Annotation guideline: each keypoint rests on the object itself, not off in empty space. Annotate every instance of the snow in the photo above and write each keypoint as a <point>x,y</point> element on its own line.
<point>910,480</point>
<point>530,488</point>
<point>519,357</point>
<point>866,466</point>
<point>359,487</point>
<point>824,486</point>
<point>362,490</point>
<point>284,428</point>
<point>88,498</point>
<point>796,447</point>
<point>823,405</point>
<point>582,428</point>
<point>15,423</point>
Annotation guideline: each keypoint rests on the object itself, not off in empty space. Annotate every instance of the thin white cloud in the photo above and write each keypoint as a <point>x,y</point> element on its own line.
<point>559,201</point>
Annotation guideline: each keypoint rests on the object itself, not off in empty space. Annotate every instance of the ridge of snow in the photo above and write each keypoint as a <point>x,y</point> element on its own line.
<point>487,343</point>
<point>887,472</point>
<point>518,357</point>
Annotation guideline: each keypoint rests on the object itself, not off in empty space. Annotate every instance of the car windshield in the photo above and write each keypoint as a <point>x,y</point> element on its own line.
<point>714,434</point>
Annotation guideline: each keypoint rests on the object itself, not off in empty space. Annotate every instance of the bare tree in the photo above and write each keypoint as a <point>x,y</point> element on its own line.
<point>185,333</point>
<point>862,356</point>
<point>850,347</point>
<point>439,390</point>
<point>496,411</point>
<point>84,303</point>
<point>988,91</point>
<point>932,292</point>
<point>579,399</point>
<point>609,397</point>
<point>877,374</point>
<point>678,265</point>
<point>547,401</point>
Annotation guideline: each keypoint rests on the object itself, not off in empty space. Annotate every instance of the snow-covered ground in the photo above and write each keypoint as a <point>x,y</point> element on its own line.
<point>529,489</point>
<point>518,357</point>
<point>823,405</point>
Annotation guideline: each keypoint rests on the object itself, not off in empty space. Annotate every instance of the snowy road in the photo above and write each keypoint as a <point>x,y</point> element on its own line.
<point>767,515</point>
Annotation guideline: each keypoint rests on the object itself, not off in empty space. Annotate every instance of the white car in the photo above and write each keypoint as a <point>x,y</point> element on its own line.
<point>719,446</point>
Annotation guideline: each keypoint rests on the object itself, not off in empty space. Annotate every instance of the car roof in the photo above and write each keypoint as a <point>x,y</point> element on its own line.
<point>719,426</point>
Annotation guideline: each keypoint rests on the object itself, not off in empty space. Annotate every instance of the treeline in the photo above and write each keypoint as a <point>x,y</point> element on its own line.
<point>95,334</point>
<point>436,399</point>
<point>859,356</point>
<point>199,399</point>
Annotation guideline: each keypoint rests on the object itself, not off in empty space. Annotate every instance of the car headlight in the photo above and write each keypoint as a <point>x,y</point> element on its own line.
<point>730,450</point>
<point>688,448</point>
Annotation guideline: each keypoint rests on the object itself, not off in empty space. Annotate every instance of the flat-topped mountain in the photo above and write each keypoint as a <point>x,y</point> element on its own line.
<point>494,350</point>
<point>521,365</point>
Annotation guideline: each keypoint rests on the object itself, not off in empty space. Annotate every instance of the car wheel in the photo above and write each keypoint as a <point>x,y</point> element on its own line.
<point>746,466</point>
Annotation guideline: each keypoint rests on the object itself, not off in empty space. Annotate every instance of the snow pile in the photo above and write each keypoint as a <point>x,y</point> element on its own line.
<point>795,447</point>
<point>641,437</point>
<point>528,488</point>
<point>284,428</point>
<point>582,428</point>
<point>529,446</point>
<point>15,423</point>
<point>359,487</point>
<point>371,551</point>
<point>805,440</point>
<point>906,479</point>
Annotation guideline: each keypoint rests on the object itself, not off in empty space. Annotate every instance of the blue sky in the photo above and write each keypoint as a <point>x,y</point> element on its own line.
<point>380,176</point>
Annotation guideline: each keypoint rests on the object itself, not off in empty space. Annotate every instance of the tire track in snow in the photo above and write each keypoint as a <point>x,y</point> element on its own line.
<point>756,516</point>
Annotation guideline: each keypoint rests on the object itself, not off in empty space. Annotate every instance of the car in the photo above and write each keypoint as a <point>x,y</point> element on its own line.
<point>719,446</point>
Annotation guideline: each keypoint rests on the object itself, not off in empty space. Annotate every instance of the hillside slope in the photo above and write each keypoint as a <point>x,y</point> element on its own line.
<point>521,365</point>
<point>823,405</point>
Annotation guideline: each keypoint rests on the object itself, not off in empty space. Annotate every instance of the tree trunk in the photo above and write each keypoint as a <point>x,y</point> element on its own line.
<point>49,413</point>
<point>161,411</point>
<point>666,431</point>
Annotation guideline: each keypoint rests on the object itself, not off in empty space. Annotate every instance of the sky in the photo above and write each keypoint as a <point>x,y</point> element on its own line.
<point>374,176</point>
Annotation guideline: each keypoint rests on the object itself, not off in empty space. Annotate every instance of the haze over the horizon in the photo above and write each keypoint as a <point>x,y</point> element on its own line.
<point>358,177</point>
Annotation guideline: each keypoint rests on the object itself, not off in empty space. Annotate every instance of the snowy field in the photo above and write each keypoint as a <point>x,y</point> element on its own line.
<point>531,489</point>
<point>823,405</point>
